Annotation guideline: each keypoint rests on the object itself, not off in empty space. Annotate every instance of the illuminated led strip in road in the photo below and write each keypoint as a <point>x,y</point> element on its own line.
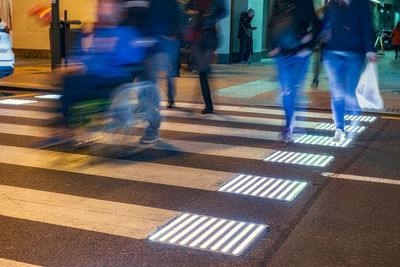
<point>360,118</point>
<point>209,233</point>
<point>347,128</point>
<point>320,141</point>
<point>313,160</point>
<point>16,102</point>
<point>263,187</point>
<point>48,96</point>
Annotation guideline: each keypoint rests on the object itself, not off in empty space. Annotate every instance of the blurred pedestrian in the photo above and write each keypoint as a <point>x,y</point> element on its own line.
<point>396,39</point>
<point>170,45</point>
<point>291,43</point>
<point>350,39</point>
<point>205,40</point>
<point>245,35</point>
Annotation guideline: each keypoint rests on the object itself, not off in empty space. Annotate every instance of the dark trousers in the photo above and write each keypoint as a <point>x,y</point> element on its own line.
<point>245,48</point>
<point>396,49</point>
<point>204,58</point>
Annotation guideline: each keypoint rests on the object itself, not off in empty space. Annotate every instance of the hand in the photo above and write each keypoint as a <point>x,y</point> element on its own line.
<point>306,38</point>
<point>170,38</point>
<point>304,52</point>
<point>372,56</point>
<point>274,52</point>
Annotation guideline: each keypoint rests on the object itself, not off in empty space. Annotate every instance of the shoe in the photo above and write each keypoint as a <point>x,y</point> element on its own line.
<point>286,136</point>
<point>339,137</point>
<point>207,111</point>
<point>149,139</point>
<point>171,104</point>
<point>49,142</point>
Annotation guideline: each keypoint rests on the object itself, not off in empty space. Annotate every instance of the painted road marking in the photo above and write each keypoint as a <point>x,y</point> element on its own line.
<point>313,160</point>
<point>132,221</point>
<point>111,168</point>
<point>209,233</point>
<point>12,101</point>
<point>11,263</point>
<point>272,188</point>
<point>264,111</point>
<point>308,139</point>
<point>53,96</point>
<point>347,128</point>
<point>361,178</point>
<point>360,118</point>
<point>237,119</point>
<point>202,148</point>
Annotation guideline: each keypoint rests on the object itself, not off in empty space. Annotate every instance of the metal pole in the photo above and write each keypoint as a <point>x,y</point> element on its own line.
<point>55,34</point>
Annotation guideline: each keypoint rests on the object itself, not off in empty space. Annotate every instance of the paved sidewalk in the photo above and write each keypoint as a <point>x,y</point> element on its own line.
<point>255,84</point>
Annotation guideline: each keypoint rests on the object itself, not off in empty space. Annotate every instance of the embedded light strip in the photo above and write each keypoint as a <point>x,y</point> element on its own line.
<point>11,101</point>
<point>264,187</point>
<point>48,96</point>
<point>298,158</point>
<point>347,128</point>
<point>209,233</point>
<point>360,118</point>
<point>320,140</point>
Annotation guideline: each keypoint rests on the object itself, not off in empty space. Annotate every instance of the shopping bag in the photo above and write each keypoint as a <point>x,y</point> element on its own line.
<point>367,91</point>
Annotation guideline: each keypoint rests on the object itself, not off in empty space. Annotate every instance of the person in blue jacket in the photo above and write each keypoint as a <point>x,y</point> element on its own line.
<point>349,40</point>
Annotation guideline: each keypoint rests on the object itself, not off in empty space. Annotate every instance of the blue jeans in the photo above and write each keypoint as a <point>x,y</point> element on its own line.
<point>344,71</point>
<point>292,71</point>
<point>171,50</point>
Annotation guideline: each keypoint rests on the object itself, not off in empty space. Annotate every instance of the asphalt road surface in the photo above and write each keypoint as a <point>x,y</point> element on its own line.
<point>217,190</point>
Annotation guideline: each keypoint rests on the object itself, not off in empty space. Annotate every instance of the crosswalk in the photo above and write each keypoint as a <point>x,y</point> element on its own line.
<point>224,177</point>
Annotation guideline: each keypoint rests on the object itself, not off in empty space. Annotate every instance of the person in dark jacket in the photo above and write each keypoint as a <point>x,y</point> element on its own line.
<point>245,35</point>
<point>207,14</point>
<point>349,40</point>
<point>291,43</point>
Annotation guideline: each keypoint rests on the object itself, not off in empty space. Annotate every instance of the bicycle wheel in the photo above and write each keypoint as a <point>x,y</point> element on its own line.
<point>124,121</point>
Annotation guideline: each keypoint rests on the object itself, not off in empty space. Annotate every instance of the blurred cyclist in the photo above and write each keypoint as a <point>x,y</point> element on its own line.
<point>104,62</point>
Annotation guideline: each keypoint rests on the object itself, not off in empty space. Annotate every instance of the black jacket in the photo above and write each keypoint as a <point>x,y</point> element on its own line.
<point>290,21</point>
<point>244,25</point>
<point>350,27</point>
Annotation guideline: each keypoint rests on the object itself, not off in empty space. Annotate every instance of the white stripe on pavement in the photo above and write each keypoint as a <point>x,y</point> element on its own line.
<point>265,111</point>
<point>120,169</point>
<point>28,114</point>
<point>132,221</point>
<point>238,119</point>
<point>11,263</point>
<point>361,178</point>
<point>202,148</point>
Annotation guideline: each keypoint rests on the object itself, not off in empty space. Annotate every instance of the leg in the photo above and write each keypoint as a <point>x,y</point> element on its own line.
<point>243,49</point>
<point>353,69</point>
<point>204,58</point>
<point>292,72</point>
<point>249,44</point>
<point>151,97</point>
<point>172,73</point>
<point>396,49</point>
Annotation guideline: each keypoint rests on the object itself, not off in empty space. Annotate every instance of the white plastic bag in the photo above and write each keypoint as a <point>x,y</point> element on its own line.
<point>367,92</point>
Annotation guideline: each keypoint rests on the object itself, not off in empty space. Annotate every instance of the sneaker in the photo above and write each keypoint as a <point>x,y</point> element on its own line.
<point>149,139</point>
<point>339,137</point>
<point>286,136</point>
